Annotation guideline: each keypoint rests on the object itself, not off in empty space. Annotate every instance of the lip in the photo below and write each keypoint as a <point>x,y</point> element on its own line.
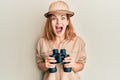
<point>59,29</point>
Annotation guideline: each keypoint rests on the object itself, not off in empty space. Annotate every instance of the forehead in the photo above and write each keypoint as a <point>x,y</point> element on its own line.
<point>59,14</point>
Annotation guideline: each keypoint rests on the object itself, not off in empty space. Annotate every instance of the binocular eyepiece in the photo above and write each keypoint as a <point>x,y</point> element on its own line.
<point>59,57</point>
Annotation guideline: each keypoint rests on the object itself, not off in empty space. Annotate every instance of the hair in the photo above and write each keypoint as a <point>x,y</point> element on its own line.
<point>49,34</point>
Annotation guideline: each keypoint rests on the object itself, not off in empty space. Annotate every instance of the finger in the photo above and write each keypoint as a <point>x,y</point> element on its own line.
<point>48,65</point>
<point>52,66</point>
<point>68,58</point>
<point>47,60</point>
<point>67,65</point>
<point>50,58</point>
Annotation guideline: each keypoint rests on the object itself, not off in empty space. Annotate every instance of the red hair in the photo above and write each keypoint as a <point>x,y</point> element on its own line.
<point>49,34</point>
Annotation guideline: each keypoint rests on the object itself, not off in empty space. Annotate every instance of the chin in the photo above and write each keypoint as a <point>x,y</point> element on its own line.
<point>60,35</point>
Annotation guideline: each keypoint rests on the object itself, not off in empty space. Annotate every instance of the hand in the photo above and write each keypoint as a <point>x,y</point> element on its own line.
<point>48,61</point>
<point>69,59</point>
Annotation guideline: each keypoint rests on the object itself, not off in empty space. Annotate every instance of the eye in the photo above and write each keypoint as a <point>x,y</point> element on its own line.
<point>63,18</point>
<point>53,18</point>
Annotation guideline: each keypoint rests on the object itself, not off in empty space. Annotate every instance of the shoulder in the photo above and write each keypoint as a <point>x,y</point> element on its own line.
<point>79,41</point>
<point>78,38</point>
<point>42,39</point>
<point>41,42</point>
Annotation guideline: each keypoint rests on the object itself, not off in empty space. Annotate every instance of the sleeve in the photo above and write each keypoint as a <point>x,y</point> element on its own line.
<point>39,57</point>
<point>81,55</point>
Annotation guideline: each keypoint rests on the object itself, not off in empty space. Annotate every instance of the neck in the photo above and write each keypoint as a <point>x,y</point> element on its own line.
<point>59,39</point>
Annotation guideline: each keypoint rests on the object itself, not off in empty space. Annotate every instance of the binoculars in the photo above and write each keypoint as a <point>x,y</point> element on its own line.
<point>59,57</point>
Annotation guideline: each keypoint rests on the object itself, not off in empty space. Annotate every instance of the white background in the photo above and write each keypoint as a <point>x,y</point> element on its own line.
<point>96,21</point>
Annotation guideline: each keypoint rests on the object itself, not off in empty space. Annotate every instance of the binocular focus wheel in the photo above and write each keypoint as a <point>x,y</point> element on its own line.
<point>52,70</point>
<point>67,69</point>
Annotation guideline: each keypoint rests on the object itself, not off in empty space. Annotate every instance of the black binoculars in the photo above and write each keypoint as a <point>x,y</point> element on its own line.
<point>59,57</point>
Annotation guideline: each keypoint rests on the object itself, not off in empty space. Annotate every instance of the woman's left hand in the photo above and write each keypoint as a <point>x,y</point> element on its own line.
<point>71,62</point>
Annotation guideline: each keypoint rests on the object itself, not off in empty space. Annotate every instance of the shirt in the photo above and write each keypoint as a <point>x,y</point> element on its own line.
<point>75,48</point>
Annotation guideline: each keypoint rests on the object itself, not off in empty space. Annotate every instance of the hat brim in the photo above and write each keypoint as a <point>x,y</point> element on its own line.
<point>70,13</point>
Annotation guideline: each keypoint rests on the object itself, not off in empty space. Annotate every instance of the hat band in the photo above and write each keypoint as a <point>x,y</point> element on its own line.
<point>53,11</point>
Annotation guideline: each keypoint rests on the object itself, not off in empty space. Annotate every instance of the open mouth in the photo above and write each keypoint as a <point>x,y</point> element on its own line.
<point>59,29</point>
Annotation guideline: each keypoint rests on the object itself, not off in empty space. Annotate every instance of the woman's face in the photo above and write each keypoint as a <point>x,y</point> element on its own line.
<point>59,23</point>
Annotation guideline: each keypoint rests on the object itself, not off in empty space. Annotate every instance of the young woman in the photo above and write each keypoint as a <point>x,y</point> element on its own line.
<point>59,34</point>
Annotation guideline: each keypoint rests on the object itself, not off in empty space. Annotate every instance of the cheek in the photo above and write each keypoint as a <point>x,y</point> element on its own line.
<point>53,25</point>
<point>66,23</point>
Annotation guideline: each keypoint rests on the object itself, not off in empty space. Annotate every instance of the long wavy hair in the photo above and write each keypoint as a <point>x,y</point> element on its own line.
<point>49,34</point>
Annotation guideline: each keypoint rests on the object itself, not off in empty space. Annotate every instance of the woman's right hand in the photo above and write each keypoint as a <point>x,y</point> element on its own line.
<point>48,62</point>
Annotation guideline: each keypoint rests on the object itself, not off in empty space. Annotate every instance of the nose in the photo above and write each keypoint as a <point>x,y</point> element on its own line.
<point>58,21</point>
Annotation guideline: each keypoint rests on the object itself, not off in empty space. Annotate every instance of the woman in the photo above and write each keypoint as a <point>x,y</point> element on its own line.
<point>59,34</point>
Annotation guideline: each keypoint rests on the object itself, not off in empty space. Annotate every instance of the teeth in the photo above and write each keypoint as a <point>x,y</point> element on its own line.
<point>59,28</point>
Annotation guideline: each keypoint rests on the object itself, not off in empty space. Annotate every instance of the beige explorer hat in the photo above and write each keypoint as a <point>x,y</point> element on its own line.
<point>58,7</point>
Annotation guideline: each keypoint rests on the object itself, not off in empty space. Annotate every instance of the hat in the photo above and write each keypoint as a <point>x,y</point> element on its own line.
<point>58,7</point>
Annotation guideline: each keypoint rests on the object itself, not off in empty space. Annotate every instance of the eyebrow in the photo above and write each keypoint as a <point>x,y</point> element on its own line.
<point>61,15</point>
